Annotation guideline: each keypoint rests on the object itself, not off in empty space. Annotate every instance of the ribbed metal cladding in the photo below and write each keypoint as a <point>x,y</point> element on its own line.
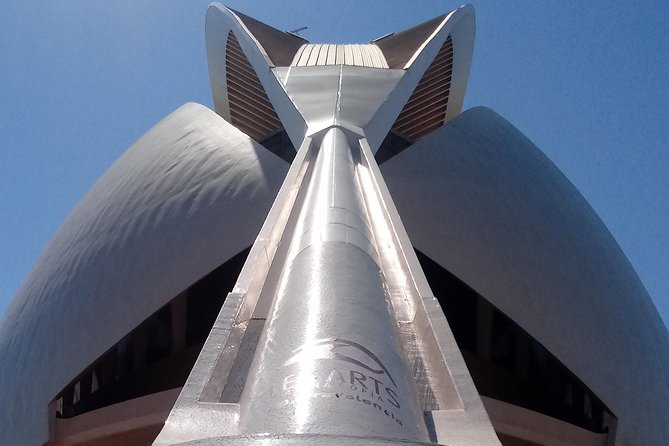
<point>311,55</point>
<point>250,109</point>
<point>426,109</point>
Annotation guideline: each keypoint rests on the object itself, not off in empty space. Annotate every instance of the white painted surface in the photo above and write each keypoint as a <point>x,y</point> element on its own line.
<point>481,200</point>
<point>186,197</point>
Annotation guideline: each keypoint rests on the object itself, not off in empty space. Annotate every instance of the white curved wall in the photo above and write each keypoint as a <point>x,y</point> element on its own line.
<point>480,199</point>
<point>296,111</point>
<point>187,196</point>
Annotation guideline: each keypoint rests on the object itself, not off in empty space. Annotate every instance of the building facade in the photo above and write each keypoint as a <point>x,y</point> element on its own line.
<point>337,253</point>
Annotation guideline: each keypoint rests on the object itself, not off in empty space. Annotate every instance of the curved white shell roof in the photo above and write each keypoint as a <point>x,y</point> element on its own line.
<point>505,220</point>
<point>187,196</point>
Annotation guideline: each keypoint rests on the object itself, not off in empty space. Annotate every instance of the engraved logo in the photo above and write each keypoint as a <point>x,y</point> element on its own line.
<point>343,350</point>
<point>364,381</point>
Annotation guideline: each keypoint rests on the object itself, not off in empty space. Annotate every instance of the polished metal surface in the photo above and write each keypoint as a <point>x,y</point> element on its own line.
<point>339,95</point>
<point>330,360</point>
<point>332,333</point>
<point>304,440</point>
<point>332,258</point>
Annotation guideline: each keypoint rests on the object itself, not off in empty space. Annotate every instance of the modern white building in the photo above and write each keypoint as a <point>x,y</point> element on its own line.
<point>336,255</point>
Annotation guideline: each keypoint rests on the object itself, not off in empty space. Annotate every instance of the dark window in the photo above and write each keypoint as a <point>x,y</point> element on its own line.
<point>456,300</point>
<point>159,328</point>
<point>393,144</point>
<point>124,357</point>
<point>280,144</point>
<point>502,342</point>
<point>158,354</point>
<point>508,364</point>
<point>205,298</point>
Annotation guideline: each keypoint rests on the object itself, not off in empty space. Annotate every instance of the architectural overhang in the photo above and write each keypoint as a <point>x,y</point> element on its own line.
<point>264,80</point>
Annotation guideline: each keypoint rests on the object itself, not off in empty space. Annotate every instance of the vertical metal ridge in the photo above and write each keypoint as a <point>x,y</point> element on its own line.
<point>341,55</point>
<point>322,55</point>
<point>299,55</point>
<point>331,347</point>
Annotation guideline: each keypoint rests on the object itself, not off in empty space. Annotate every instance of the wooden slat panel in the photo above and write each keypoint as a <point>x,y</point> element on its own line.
<point>250,109</point>
<point>425,110</point>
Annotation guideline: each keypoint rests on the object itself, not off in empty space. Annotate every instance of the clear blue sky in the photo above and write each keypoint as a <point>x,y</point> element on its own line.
<point>586,81</point>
